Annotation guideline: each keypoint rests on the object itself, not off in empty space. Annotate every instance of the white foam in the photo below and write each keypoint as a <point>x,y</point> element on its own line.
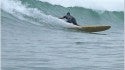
<point>10,6</point>
<point>110,5</point>
<point>18,10</point>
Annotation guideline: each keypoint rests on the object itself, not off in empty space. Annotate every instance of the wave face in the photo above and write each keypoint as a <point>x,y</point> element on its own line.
<point>39,12</point>
<point>111,5</point>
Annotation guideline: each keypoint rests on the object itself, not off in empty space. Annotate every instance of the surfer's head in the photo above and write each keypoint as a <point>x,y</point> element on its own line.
<point>68,13</point>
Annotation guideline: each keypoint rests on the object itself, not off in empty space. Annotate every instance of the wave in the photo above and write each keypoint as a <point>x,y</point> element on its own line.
<point>46,14</point>
<point>110,5</point>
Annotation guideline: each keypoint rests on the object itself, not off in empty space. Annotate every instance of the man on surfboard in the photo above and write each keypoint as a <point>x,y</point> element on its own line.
<point>70,19</point>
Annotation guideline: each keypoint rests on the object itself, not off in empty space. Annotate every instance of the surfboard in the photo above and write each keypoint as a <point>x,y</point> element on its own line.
<point>92,28</point>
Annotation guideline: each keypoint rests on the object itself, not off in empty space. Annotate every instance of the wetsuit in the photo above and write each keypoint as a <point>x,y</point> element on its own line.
<point>70,19</point>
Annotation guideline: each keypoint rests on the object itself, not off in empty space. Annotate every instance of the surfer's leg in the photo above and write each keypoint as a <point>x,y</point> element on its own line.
<point>75,24</point>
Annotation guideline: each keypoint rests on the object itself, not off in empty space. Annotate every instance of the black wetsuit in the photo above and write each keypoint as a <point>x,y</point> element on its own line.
<point>70,19</point>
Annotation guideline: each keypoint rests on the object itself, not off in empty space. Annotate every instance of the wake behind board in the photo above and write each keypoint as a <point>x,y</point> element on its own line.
<point>92,28</point>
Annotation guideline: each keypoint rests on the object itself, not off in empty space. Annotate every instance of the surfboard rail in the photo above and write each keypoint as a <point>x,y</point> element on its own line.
<point>92,28</point>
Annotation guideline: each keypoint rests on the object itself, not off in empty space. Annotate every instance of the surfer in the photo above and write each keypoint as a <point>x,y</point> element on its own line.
<point>70,19</point>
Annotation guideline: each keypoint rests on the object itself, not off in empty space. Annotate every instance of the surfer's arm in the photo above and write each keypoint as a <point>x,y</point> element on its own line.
<point>62,17</point>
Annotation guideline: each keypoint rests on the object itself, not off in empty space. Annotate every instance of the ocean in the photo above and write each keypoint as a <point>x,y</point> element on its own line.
<point>33,38</point>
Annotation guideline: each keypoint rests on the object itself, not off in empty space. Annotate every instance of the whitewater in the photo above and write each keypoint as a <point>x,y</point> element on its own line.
<point>34,38</point>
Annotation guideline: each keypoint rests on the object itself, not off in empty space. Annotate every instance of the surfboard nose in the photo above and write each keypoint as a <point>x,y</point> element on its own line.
<point>108,27</point>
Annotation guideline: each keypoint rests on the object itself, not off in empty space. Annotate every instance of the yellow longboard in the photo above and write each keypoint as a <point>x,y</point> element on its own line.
<point>92,28</point>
